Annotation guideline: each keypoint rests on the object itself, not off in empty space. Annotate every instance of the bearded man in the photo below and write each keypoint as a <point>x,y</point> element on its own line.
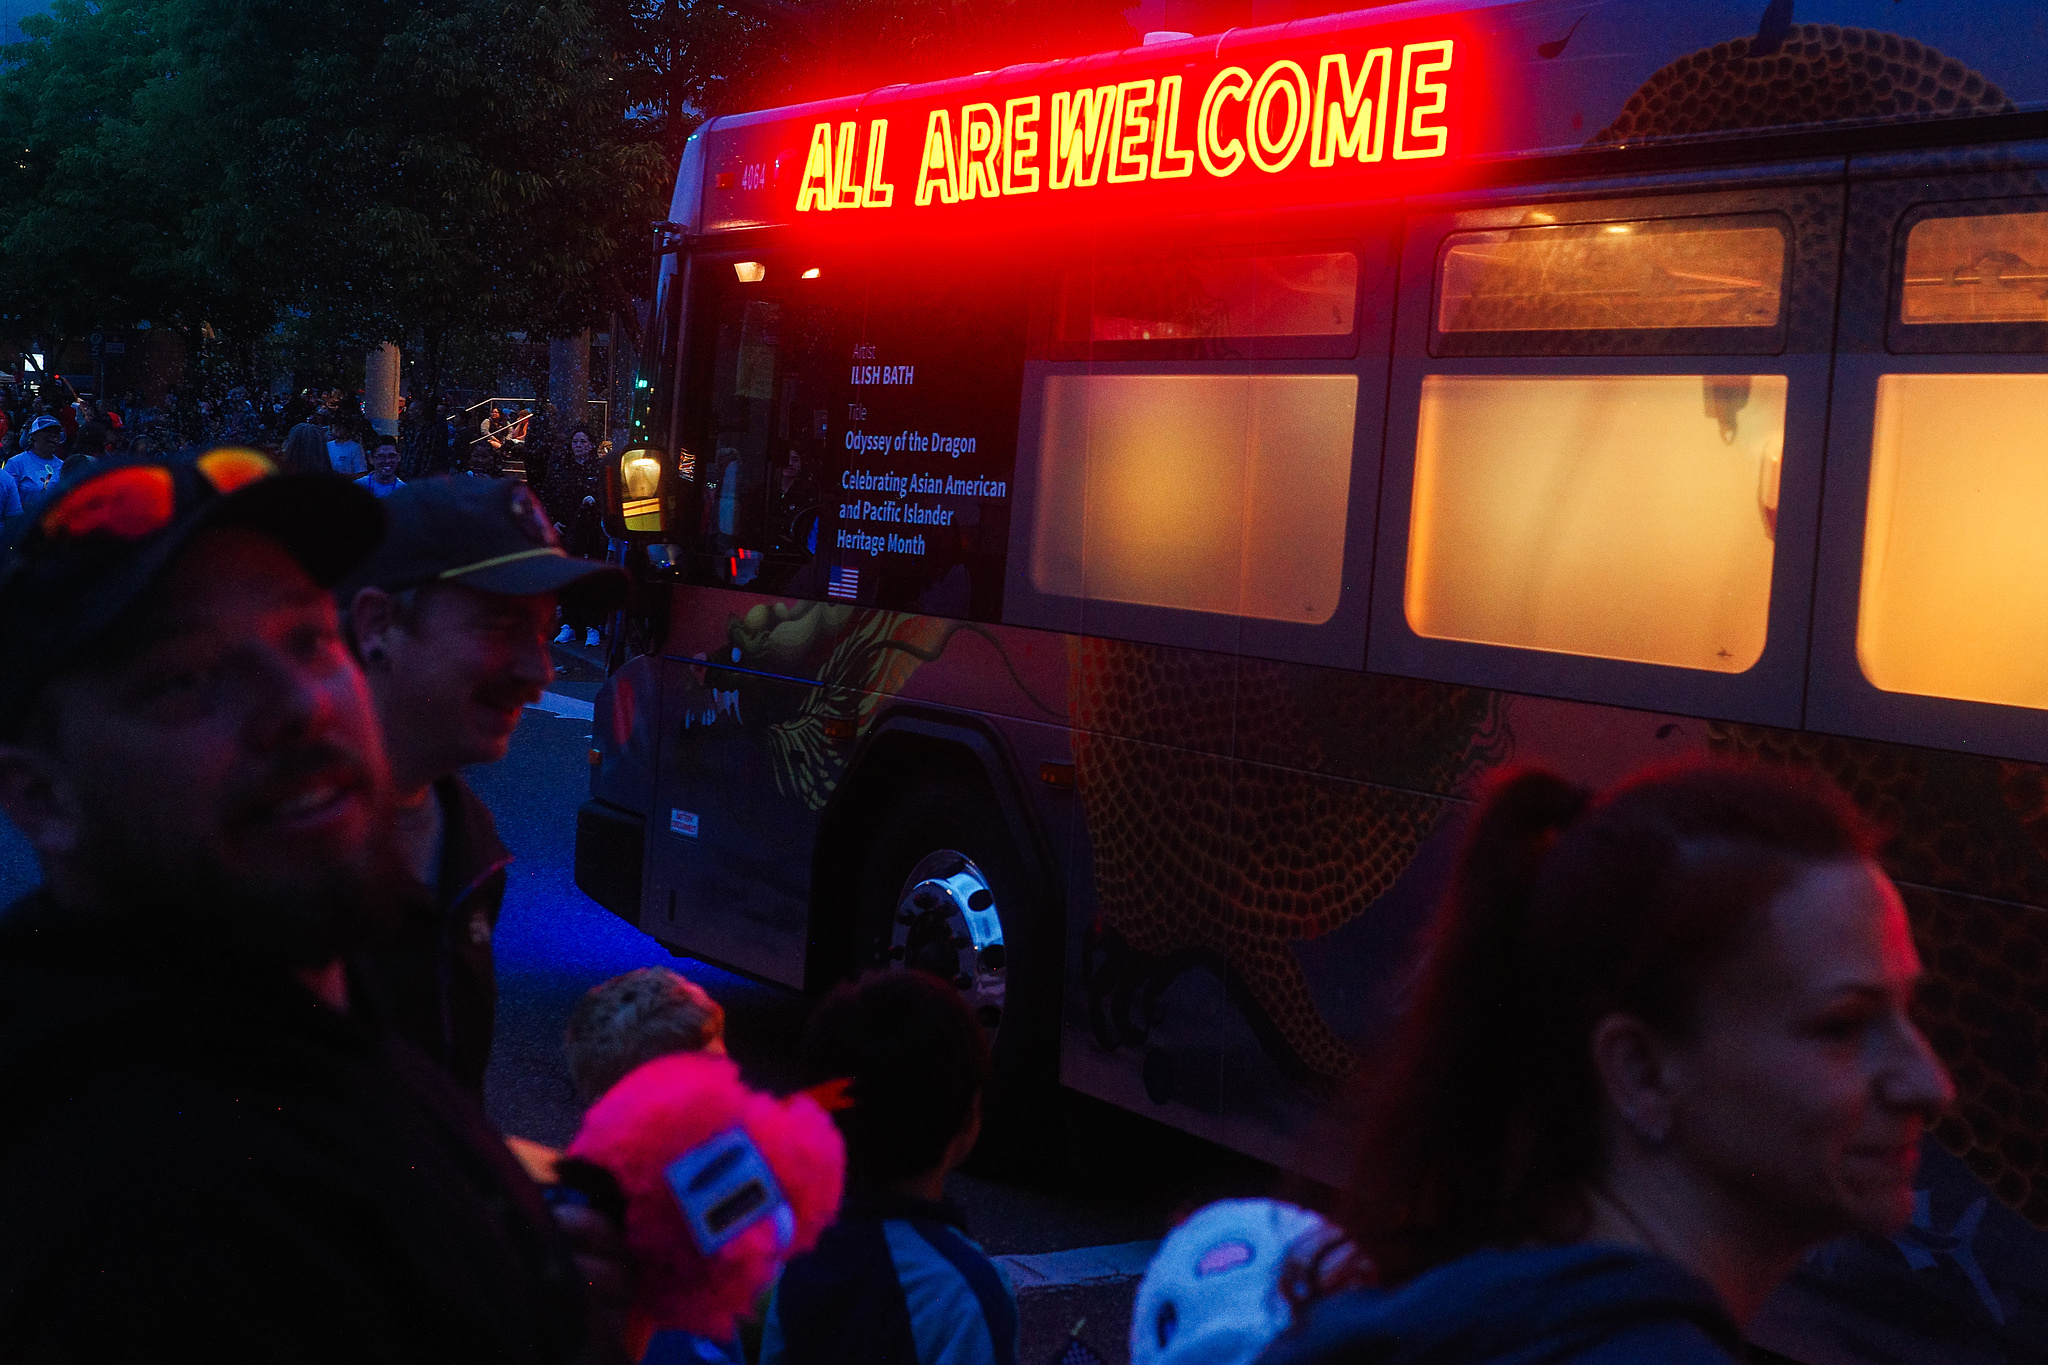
<point>214,1148</point>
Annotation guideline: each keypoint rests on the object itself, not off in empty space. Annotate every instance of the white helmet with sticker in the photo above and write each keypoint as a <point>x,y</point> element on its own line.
<point>1212,1293</point>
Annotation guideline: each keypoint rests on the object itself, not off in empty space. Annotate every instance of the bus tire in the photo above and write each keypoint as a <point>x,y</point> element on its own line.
<point>937,849</point>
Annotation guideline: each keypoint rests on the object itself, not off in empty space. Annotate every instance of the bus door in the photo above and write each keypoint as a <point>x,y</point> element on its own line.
<point>851,422</point>
<point>1931,616</point>
<point>762,367</point>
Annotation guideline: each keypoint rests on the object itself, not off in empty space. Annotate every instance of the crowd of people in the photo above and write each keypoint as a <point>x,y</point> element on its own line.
<point>1661,1046</point>
<point>42,439</point>
<point>131,423</point>
<point>496,440</point>
<point>40,434</point>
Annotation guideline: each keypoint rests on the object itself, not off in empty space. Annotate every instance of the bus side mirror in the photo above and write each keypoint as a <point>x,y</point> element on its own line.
<point>638,487</point>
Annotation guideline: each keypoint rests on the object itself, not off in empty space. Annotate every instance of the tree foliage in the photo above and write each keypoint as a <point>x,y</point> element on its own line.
<point>395,169</point>
<point>695,58</point>
<point>332,173</point>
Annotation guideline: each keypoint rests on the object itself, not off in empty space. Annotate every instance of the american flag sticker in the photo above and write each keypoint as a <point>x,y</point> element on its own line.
<point>844,583</point>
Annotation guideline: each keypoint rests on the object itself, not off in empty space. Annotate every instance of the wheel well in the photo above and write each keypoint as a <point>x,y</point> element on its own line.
<point>910,751</point>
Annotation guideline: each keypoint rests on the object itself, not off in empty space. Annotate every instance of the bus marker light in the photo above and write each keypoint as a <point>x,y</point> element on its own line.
<point>812,273</point>
<point>1057,775</point>
<point>750,272</point>
<point>841,729</point>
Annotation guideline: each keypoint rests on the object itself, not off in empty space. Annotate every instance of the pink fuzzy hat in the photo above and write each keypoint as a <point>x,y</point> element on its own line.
<point>683,1131</point>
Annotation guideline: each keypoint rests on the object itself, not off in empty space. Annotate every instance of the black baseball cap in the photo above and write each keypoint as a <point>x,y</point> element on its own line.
<point>490,534</point>
<point>100,540</point>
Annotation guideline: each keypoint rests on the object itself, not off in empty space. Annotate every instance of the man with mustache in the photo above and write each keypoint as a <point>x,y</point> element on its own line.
<point>214,1147</point>
<point>450,620</point>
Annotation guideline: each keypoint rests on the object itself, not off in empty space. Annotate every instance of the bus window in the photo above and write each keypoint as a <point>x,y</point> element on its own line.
<point>1984,267</point>
<point>1204,492</point>
<point>1955,565</point>
<point>762,451</point>
<point>1207,299</point>
<point>1664,275</point>
<point>653,410</point>
<point>1617,516</point>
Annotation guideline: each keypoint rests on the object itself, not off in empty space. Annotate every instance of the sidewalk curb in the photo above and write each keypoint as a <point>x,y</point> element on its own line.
<point>1083,1265</point>
<point>1085,1293</point>
<point>554,703</point>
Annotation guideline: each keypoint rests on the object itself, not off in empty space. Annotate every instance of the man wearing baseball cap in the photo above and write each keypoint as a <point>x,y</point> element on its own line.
<point>37,468</point>
<point>214,1146</point>
<point>450,620</point>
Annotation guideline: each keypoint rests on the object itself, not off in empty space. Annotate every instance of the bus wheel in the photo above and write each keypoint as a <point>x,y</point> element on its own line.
<point>946,891</point>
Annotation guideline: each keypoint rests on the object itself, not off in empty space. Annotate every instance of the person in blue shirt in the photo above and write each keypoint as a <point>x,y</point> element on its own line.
<point>36,470</point>
<point>896,1281</point>
<point>1663,1048</point>
<point>383,479</point>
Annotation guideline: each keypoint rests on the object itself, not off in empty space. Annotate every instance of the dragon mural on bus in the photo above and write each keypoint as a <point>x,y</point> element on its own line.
<point>858,659</point>
<point>1199,860</point>
<point>1801,74</point>
<point>1205,861</point>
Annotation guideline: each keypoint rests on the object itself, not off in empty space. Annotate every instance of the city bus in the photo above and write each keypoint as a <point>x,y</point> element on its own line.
<point>1099,522</point>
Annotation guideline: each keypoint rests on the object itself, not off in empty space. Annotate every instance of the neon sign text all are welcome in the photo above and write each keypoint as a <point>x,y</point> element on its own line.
<point>1327,112</point>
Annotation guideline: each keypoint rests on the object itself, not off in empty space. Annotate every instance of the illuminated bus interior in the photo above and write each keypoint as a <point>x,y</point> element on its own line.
<point>1218,493</point>
<point>1619,516</point>
<point>1955,554</point>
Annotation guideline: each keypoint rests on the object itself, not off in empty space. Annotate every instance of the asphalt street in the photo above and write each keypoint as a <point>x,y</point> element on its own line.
<point>1123,1179</point>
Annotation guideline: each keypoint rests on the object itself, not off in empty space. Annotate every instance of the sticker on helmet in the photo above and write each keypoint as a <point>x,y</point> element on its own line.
<point>1223,1256</point>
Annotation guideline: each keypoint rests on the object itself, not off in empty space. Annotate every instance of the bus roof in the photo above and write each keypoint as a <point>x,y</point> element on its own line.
<point>1360,105</point>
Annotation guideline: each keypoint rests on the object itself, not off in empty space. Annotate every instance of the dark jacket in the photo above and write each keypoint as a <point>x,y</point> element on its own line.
<point>894,1282</point>
<point>437,981</point>
<point>203,1163</point>
<point>1586,1305</point>
<point>563,487</point>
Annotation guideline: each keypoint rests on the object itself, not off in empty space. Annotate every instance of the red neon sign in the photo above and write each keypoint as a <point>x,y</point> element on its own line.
<point>1212,122</point>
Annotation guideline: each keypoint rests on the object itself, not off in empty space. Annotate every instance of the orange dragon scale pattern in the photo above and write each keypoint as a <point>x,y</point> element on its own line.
<point>1239,861</point>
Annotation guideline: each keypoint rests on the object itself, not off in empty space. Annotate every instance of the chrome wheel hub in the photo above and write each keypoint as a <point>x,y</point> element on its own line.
<point>946,925</point>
